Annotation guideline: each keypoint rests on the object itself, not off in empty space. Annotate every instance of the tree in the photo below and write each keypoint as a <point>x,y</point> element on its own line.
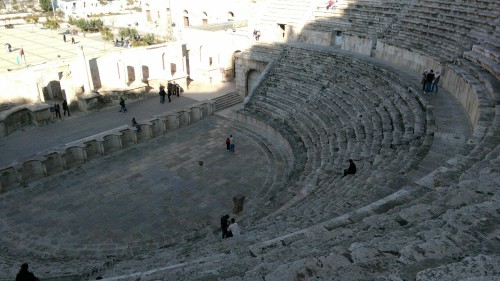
<point>107,34</point>
<point>46,5</point>
<point>31,19</point>
<point>51,23</point>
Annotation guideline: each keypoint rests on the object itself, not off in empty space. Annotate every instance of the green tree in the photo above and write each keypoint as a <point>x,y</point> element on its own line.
<point>127,32</point>
<point>31,19</point>
<point>51,23</point>
<point>107,34</point>
<point>46,5</point>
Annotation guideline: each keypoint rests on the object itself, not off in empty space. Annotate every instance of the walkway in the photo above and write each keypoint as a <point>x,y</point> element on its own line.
<point>36,140</point>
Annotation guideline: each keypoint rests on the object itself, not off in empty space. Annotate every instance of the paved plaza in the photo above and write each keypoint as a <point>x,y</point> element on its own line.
<point>42,45</point>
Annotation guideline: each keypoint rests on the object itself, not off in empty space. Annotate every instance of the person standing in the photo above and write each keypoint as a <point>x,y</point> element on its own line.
<point>162,94</point>
<point>228,144</point>
<point>231,141</point>
<point>170,89</point>
<point>122,104</point>
<point>224,223</point>
<point>64,38</point>
<point>435,81</point>
<point>234,228</point>
<point>428,81</point>
<point>24,274</point>
<point>424,78</point>
<point>65,108</point>
<point>57,110</point>
<point>72,40</point>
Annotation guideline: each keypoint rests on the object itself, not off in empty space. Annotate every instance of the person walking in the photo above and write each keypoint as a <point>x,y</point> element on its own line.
<point>25,275</point>
<point>122,104</point>
<point>57,110</point>
<point>65,108</point>
<point>162,94</point>
<point>231,141</point>
<point>228,144</point>
<point>224,223</point>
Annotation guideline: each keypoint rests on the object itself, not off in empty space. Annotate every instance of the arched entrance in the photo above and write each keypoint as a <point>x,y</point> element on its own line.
<point>233,64</point>
<point>252,78</point>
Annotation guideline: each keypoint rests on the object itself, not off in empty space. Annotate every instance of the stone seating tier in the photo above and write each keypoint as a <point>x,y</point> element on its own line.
<point>487,59</point>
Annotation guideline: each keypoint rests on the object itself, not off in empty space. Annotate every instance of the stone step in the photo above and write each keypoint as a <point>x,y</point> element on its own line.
<point>227,100</point>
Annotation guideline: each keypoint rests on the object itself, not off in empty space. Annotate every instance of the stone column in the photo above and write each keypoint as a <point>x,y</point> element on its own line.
<point>238,201</point>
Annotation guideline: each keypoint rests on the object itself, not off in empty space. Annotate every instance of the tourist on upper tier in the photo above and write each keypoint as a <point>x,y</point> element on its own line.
<point>428,81</point>
<point>331,3</point>
<point>436,81</point>
<point>351,170</point>
<point>224,223</point>
<point>424,78</point>
<point>25,275</point>
<point>234,228</point>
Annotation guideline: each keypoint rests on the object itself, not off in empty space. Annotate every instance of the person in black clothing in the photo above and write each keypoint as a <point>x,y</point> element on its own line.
<point>65,108</point>
<point>428,81</point>
<point>351,170</point>
<point>162,94</point>
<point>170,90</point>
<point>25,275</point>
<point>224,223</point>
<point>122,106</point>
<point>57,110</point>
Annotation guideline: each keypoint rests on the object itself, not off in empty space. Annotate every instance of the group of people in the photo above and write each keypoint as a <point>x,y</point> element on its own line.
<point>57,109</point>
<point>229,227</point>
<point>256,34</point>
<point>72,39</point>
<point>331,4</point>
<point>230,143</point>
<point>172,89</point>
<point>430,81</point>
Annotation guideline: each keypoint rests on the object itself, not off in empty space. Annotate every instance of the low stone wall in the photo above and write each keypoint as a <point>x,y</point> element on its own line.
<point>24,115</point>
<point>83,150</point>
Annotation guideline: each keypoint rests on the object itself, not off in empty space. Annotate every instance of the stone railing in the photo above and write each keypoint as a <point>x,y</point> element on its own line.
<point>84,150</point>
<point>24,115</point>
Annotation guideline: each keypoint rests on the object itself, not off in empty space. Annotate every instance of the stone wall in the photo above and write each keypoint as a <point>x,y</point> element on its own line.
<point>357,44</point>
<point>243,67</point>
<point>77,152</point>
<point>324,38</point>
<point>451,80</point>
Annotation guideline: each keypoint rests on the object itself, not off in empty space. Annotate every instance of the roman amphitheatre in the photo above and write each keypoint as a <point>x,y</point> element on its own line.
<point>91,197</point>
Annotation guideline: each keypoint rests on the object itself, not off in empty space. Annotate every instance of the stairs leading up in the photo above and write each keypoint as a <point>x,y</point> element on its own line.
<point>227,100</point>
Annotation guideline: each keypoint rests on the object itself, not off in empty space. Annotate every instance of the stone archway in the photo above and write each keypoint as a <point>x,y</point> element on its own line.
<point>252,78</point>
